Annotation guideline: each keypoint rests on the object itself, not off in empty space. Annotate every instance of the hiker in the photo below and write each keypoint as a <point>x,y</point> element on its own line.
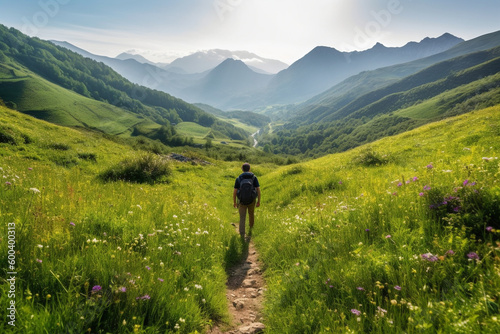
<point>247,191</point>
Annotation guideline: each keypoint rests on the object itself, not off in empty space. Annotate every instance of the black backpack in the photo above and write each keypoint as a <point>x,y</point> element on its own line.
<point>247,192</point>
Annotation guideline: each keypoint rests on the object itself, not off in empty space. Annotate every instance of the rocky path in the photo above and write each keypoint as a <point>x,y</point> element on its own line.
<point>244,292</point>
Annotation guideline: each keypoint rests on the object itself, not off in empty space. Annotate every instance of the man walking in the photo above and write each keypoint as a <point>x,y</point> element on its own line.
<point>247,191</point>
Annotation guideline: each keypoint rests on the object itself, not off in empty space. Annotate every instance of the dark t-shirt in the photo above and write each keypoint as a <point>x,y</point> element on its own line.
<point>246,175</point>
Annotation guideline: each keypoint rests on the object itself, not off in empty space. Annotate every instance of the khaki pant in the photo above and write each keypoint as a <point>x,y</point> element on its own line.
<point>243,213</point>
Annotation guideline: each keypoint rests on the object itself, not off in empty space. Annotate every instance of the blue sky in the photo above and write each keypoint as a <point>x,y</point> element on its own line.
<point>279,29</point>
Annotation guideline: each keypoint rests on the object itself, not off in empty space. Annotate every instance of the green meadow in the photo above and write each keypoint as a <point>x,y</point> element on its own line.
<point>399,236</point>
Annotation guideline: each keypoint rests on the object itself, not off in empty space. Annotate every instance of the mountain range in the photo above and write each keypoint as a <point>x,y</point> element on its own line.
<point>370,94</point>
<point>197,78</point>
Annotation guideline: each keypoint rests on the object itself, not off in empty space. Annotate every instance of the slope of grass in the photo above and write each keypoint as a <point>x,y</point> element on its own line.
<point>40,98</point>
<point>402,235</point>
<point>398,236</point>
<point>113,257</point>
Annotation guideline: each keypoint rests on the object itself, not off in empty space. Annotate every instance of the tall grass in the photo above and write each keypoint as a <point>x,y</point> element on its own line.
<point>112,257</point>
<point>403,236</point>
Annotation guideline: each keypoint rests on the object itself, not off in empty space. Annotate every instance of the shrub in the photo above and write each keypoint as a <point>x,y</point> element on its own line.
<point>59,146</point>
<point>147,168</point>
<point>369,158</point>
<point>87,156</point>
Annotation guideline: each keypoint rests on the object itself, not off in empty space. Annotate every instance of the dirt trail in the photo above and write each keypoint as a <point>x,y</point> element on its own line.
<point>244,293</point>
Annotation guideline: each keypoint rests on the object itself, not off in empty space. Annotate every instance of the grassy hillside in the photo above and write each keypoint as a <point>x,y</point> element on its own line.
<point>446,89</point>
<point>398,236</point>
<point>402,235</point>
<point>42,99</point>
<point>99,82</point>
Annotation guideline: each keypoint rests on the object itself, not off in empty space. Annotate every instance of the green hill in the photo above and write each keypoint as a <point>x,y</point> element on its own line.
<point>445,89</point>
<point>398,236</point>
<point>23,56</point>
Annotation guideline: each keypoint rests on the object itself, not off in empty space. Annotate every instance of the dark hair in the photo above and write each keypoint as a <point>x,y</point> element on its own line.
<point>246,167</point>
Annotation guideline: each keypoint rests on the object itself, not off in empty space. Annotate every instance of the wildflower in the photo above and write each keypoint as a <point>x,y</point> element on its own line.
<point>421,194</point>
<point>340,182</point>
<point>415,179</point>
<point>394,302</point>
<point>122,289</point>
<point>367,230</point>
<point>360,288</point>
<point>39,246</point>
<point>29,168</point>
<point>489,228</point>
<point>35,190</point>
<point>465,182</point>
<point>397,287</point>
<point>72,224</point>
<point>456,209</point>
<point>429,257</point>
<point>430,166</point>
<point>143,297</point>
<point>160,279</point>
<point>473,256</point>
<point>388,236</point>
<point>197,286</point>
<point>450,252</point>
<point>8,183</point>
<point>356,312</point>
<point>174,216</point>
<point>148,268</point>
<point>186,289</point>
<point>400,184</point>
<point>96,288</point>
<point>427,188</point>
<point>381,310</point>
<point>38,260</point>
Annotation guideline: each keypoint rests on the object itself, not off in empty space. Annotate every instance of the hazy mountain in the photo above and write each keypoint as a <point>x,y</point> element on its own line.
<point>137,57</point>
<point>61,86</point>
<point>206,60</point>
<point>338,96</point>
<point>227,84</point>
<point>145,74</point>
<point>324,67</point>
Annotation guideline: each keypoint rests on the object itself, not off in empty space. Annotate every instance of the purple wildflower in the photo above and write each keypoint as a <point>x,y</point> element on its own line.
<point>122,289</point>
<point>8,183</point>
<point>429,257</point>
<point>340,182</point>
<point>415,179</point>
<point>39,261</point>
<point>421,194</point>
<point>160,279</point>
<point>473,256</point>
<point>148,268</point>
<point>96,288</point>
<point>489,228</point>
<point>400,184</point>
<point>397,287</point>
<point>450,252</point>
<point>388,236</point>
<point>72,224</point>
<point>143,297</point>
<point>465,182</point>
<point>367,230</point>
<point>430,166</point>
<point>360,288</point>
<point>427,188</point>
<point>29,168</point>
<point>456,209</point>
<point>356,312</point>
